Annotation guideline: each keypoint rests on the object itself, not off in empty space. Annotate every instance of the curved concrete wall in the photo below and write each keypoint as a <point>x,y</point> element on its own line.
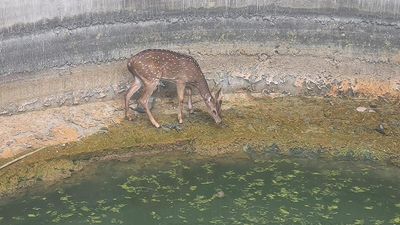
<point>55,52</point>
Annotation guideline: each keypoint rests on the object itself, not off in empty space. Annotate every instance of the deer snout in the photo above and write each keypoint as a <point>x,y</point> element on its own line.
<point>218,120</point>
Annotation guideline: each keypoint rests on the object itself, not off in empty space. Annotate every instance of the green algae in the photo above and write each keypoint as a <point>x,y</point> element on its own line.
<point>305,127</point>
<point>227,191</point>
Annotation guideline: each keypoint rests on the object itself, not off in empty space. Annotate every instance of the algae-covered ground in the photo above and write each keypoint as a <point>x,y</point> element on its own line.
<point>298,126</point>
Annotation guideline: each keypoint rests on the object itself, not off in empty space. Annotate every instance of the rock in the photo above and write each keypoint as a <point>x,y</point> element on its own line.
<point>169,127</point>
<point>10,142</point>
<point>380,129</point>
<point>367,155</point>
<point>371,111</point>
<point>247,148</point>
<point>103,130</point>
<point>21,109</point>
<point>272,150</point>
<point>101,95</point>
<point>220,194</point>
<point>133,106</point>
<point>361,109</point>
<point>250,151</point>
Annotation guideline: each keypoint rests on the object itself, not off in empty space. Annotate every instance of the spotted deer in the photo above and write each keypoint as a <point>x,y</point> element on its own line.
<point>150,66</point>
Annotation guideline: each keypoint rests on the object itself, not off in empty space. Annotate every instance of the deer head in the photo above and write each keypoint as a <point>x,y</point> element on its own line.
<point>214,106</point>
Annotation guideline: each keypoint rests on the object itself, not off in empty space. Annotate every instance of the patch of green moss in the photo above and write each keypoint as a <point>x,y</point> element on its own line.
<point>332,125</point>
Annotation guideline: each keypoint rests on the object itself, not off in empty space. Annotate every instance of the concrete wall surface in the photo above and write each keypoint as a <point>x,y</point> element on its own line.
<point>31,11</point>
<point>57,52</point>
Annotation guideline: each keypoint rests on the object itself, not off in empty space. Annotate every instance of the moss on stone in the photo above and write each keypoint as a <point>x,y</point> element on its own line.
<point>290,125</point>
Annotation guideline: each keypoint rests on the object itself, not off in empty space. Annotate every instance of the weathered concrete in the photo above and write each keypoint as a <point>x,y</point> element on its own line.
<point>26,11</point>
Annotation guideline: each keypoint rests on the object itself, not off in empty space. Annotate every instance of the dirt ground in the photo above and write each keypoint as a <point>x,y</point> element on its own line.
<point>344,129</point>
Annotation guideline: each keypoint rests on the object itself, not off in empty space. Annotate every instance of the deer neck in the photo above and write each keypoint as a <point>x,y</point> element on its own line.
<point>204,91</point>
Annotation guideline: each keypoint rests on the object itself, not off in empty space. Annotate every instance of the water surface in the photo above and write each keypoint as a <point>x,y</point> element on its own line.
<point>178,190</point>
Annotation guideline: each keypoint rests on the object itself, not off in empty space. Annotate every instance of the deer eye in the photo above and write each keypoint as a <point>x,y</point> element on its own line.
<point>214,112</point>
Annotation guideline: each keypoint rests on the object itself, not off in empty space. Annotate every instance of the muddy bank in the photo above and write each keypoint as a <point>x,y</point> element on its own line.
<point>342,129</point>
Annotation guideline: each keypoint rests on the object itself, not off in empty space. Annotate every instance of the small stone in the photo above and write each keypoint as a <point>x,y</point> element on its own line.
<point>220,194</point>
<point>247,148</point>
<point>178,128</point>
<point>381,129</point>
<point>10,142</point>
<point>371,111</point>
<point>169,127</point>
<point>373,105</point>
<point>21,109</point>
<point>101,95</point>
<point>361,109</point>
<point>133,106</point>
<point>104,128</point>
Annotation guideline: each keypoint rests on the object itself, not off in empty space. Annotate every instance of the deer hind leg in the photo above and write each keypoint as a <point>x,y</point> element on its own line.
<point>148,90</point>
<point>180,87</point>
<point>132,90</point>
<point>190,103</point>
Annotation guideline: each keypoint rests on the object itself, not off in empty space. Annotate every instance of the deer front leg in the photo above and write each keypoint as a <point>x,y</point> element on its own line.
<point>190,103</point>
<point>132,90</point>
<point>180,87</point>
<point>144,100</point>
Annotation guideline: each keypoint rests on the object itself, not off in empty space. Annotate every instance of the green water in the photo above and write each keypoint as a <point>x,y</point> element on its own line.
<point>217,191</point>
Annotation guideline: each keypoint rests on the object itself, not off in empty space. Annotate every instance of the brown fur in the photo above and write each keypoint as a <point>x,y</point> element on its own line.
<point>150,66</point>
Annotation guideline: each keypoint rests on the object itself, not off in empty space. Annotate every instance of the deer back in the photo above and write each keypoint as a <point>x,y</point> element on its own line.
<point>166,65</point>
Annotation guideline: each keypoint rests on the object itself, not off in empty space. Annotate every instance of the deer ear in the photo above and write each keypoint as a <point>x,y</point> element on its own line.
<point>209,99</point>
<point>218,95</point>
